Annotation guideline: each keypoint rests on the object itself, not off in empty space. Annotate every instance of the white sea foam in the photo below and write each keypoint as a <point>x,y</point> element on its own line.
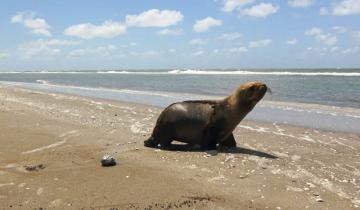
<point>277,73</point>
<point>45,147</point>
<point>44,82</point>
<point>135,92</point>
<point>201,72</point>
<point>65,137</point>
<point>46,72</point>
<point>235,72</point>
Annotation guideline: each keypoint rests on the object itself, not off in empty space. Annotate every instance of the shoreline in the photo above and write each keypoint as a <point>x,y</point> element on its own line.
<point>275,166</point>
<point>272,102</point>
<point>317,116</point>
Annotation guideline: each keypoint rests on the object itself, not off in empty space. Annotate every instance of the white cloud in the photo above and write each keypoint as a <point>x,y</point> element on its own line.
<point>215,51</point>
<point>291,42</point>
<point>347,7</point>
<point>238,50</point>
<point>260,43</point>
<point>300,3</point>
<point>18,18</point>
<point>58,42</point>
<point>198,53</point>
<point>260,10</point>
<point>37,25</point>
<point>99,51</point>
<point>128,45</point>
<point>44,47</point>
<point>155,18</point>
<point>334,49</point>
<point>152,53</point>
<point>312,49</point>
<point>38,48</point>
<point>198,42</point>
<point>313,31</point>
<point>172,50</point>
<point>329,39</point>
<point>324,50</point>
<point>352,50</point>
<point>4,55</point>
<point>204,24</point>
<point>230,5</point>
<point>78,52</point>
<point>108,29</point>
<point>340,29</point>
<point>231,36</point>
<point>323,11</point>
<point>356,36</point>
<point>170,32</point>
<point>325,38</point>
<point>319,51</point>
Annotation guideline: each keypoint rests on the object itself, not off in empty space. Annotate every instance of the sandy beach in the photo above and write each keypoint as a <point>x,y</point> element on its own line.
<point>52,144</point>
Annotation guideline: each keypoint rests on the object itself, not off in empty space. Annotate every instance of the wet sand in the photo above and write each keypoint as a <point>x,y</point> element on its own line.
<point>51,146</point>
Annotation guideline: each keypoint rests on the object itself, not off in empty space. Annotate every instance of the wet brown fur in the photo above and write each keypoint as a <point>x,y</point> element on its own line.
<point>217,119</point>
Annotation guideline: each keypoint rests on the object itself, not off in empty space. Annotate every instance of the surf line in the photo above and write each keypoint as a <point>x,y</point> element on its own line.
<point>66,135</point>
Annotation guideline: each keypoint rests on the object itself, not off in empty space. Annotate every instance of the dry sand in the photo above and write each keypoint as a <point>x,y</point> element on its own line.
<point>51,146</point>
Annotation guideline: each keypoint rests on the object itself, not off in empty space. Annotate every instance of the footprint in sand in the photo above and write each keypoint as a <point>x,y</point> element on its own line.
<point>40,191</point>
<point>139,128</point>
<point>21,185</point>
<point>55,203</point>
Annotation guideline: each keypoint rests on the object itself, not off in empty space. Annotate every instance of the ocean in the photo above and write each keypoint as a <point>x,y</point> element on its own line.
<point>316,98</point>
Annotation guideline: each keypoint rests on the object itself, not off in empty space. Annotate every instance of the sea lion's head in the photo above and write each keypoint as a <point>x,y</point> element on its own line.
<point>250,93</point>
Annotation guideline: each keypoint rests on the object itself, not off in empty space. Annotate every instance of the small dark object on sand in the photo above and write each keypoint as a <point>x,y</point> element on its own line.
<point>34,167</point>
<point>108,160</point>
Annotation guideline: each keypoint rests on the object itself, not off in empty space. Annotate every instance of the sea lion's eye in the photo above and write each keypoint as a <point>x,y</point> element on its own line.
<point>252,88</point>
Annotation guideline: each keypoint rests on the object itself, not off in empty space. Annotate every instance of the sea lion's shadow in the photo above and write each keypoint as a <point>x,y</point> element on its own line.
<point>233,150</point>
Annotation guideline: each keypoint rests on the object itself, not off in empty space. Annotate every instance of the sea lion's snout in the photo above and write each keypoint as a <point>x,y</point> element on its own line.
<point>260,90</point>
<point>253,91</point>
<point>263,88</point>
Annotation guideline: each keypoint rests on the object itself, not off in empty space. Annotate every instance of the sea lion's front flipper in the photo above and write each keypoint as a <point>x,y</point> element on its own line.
<point>229,142</point>
<point>211,137</point>
<point>210,141</point>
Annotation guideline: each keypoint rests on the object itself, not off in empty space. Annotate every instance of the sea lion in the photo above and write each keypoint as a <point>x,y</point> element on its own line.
<point>206,122</point>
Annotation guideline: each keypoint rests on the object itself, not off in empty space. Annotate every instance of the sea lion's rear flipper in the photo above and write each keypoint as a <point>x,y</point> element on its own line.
<point>229,142</point>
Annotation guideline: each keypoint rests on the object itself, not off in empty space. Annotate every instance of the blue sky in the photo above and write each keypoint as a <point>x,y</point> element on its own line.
<point>151,34</point>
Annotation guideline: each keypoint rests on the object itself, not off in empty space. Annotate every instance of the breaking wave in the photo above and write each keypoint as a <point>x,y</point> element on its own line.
<point>235,72</point>
<point>277,73</point>
<point>204,72</point>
